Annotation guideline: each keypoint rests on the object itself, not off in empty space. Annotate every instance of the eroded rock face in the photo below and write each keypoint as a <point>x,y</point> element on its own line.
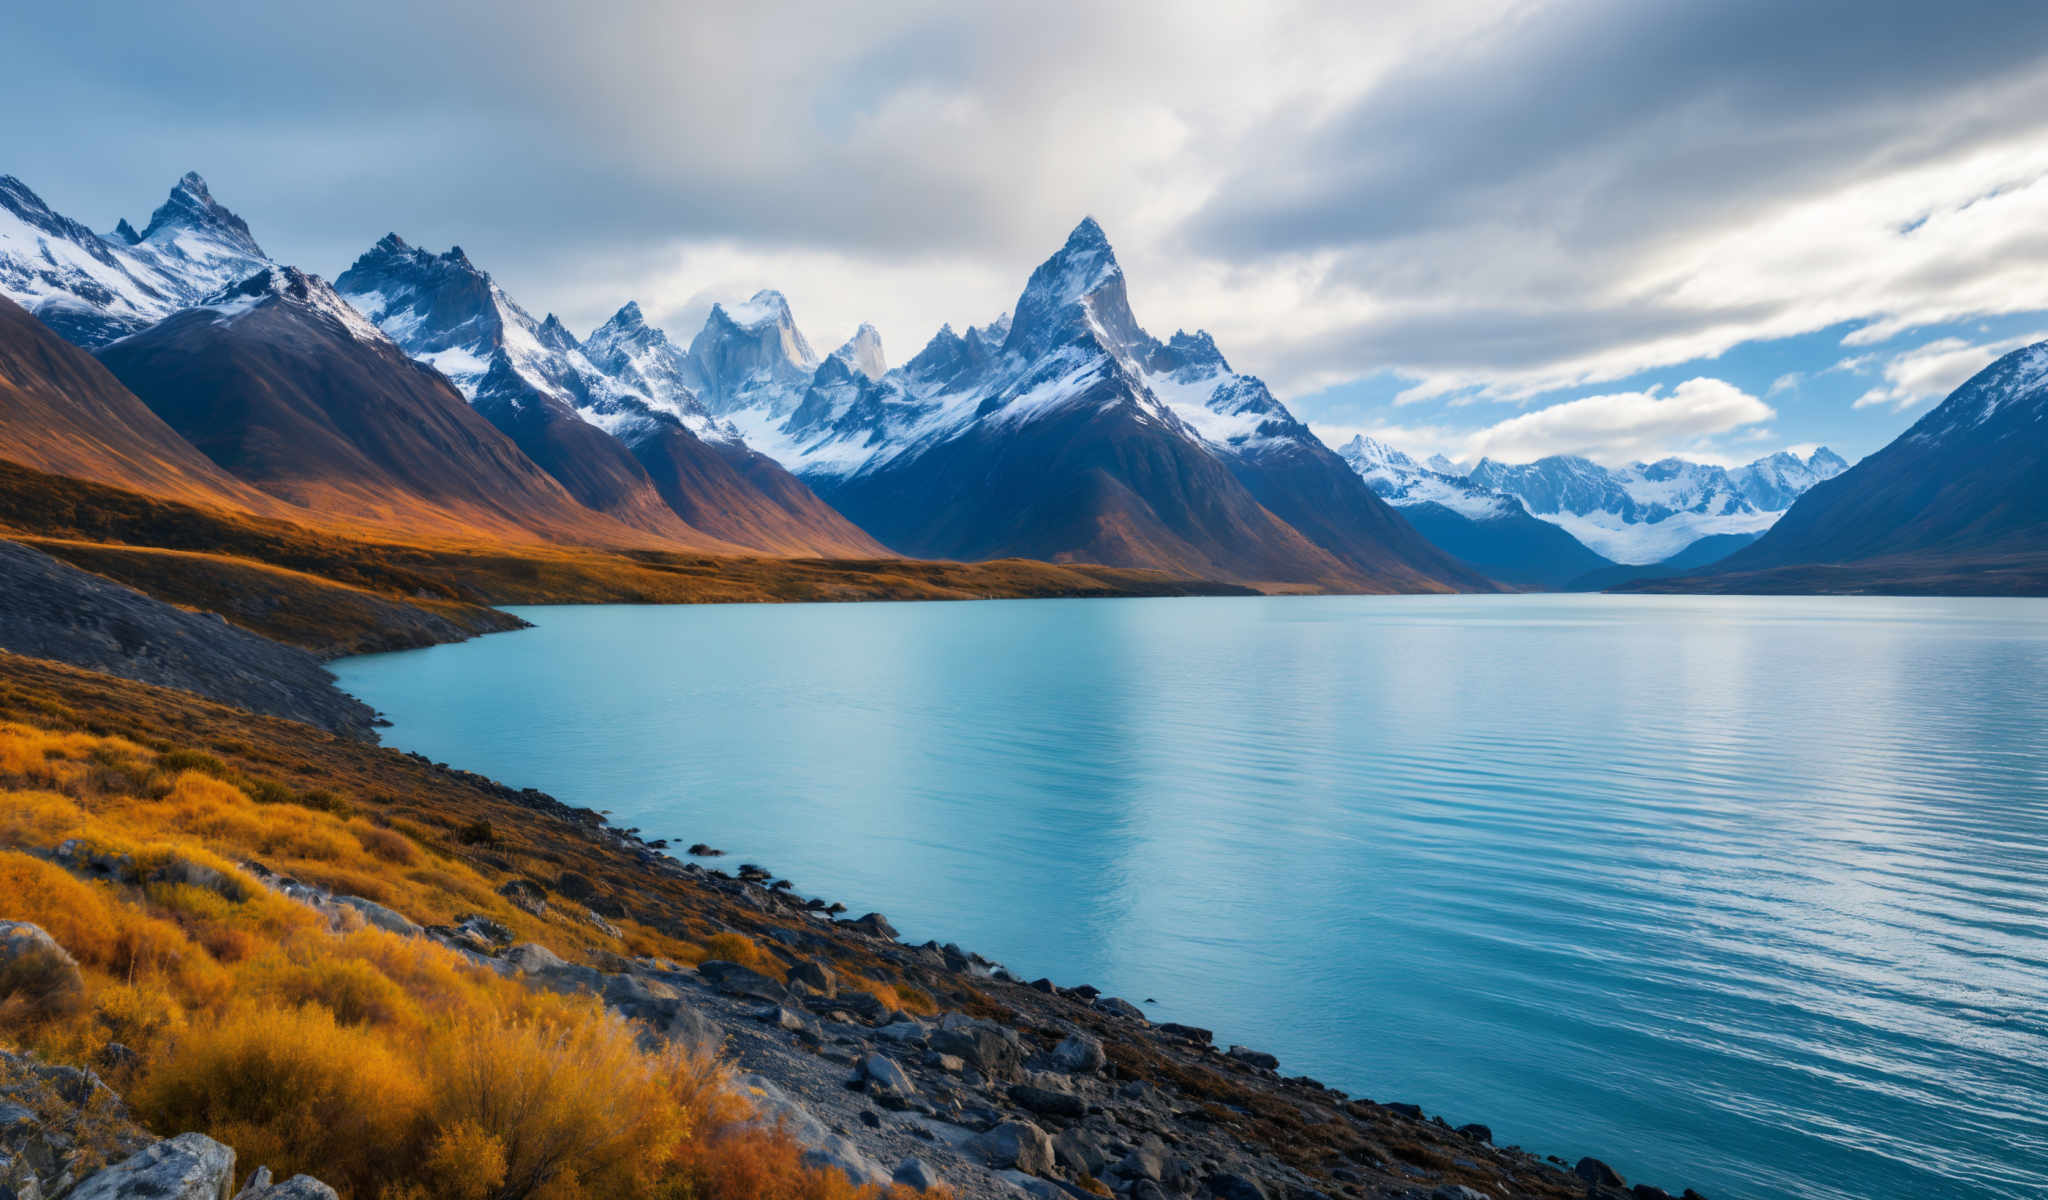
<point>190,1166</point>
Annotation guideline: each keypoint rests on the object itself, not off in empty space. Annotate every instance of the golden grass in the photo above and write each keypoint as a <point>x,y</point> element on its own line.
<point>339,590</point>
<point>388,1067</point>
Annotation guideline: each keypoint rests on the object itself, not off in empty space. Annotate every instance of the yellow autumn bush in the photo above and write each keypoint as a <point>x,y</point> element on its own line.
<point>392,1068</point>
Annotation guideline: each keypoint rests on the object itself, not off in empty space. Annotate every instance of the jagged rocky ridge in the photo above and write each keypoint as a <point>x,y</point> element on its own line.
<point>1640,514</point>
<point>1062,430</point>
<point>616,422</point>
<point>1647,512</point>
<point>1490,530</point>
<point>281,382</point>
<point>93,288</point>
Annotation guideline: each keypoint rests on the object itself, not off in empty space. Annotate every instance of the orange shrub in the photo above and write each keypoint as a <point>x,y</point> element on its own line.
<point>353,991</point>
<point>738,948</point>
<point>294,1088</point>
<point>386,844</point>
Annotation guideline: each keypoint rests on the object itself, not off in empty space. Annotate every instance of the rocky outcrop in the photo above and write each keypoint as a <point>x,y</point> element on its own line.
<point>64,1135</point>
<point>59,612</point>
<point>190,1166</point>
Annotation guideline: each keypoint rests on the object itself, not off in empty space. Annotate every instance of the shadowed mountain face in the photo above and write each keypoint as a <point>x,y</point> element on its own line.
<point>1959,502</point>
<point>63,413</point>
<point>280,382</point>
<point>618,426</point>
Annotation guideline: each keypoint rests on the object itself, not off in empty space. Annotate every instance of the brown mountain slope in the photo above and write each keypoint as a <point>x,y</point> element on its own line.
<point>746,497</point>
<point>593,466</point>
<point>282,385</point>
<point>63,413</point>
<point>1095,482</point>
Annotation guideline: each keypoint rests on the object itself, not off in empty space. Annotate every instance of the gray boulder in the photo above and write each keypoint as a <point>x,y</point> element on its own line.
<point>1598,1173</point>
<point>1254,1058</point>
<point>837,1151</point>
<point>533,958</point>
<point>1228,1185</point>
<point>1018,1144</point>
<point>1116,1006</point>
<point>816,976</point>
<point>298,1187</point>
<point>1079,1054</point>
<point>990,1049</point>
<point>736,980</point>
<point>885,1079</point>
<point>903,1033</point>
<point>1048,1103</point>
<point>874,924</point>
<point>190,1166</point>
<point>916,1173</point>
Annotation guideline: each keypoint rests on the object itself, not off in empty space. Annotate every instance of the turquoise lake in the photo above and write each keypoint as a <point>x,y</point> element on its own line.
<point>1743,894</point>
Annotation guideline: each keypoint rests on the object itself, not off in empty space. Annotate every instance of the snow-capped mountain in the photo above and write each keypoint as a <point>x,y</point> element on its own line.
<point>1404,483</point>
<point>751,356</point>
<point>1060,430</point>
<point>285,385</point>
<point>863,352</point>
<point>1957,503</point>
<point>310,293</point>
<point>629,438</point>
<point>92,288</point>
<point>1489,529</point>
<point>646,363</point>
<point>1647,512</point>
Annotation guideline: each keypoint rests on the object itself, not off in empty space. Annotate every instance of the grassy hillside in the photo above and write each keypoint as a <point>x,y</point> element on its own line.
<point>386,1065</point>
<point>334,592</point>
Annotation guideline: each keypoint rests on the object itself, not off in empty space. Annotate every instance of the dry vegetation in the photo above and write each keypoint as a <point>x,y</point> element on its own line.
<point>340,591</point>
<point>390,1067</point>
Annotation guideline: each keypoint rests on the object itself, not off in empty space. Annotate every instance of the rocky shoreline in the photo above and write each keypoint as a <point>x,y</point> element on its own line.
<point>1024,1089</point>
<point>994,1087</point>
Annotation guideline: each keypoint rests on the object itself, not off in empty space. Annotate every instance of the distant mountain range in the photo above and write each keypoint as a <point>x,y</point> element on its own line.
<point>1066,433</point>
<point>1061,431</point>
<point>1956,504</point>
<point>1571,523</point>
<point>416,394</point>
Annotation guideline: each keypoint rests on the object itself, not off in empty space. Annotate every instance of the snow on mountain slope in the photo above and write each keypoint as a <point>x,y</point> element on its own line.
<point>751,356</point>
<point>1646,512</point>
<point>292,285</point>
<point>644,360</point>
<point>93,288</point>
<point>1402,482</point>
<point>629,437</point>
<point>1070,357</point>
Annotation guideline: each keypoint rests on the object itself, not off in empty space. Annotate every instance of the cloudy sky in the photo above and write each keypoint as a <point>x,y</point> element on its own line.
<point>1614,228</point>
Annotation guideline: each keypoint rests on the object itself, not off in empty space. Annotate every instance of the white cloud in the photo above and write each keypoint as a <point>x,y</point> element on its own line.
<point>1623,426</point>
<point>1930,372</point>
<point>1455,191</point>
